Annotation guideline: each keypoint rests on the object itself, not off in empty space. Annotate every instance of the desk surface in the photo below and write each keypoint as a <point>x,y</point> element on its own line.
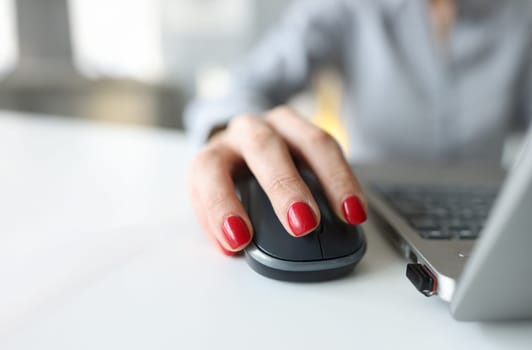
<point>99,250</point>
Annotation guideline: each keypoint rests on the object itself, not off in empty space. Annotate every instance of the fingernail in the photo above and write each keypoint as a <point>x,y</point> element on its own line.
<point>225,251</point>
<point>236,231</point>
<point>354,212</point>
<point>301,218</point>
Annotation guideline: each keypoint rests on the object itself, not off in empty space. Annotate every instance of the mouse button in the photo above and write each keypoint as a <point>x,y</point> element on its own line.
<point>270,235</point>
<point>283,246</point>
<point>340,240</point>
<point>315,188</point>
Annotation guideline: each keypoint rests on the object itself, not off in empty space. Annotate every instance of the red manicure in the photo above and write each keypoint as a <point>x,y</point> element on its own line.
<point>353,211</point>
<point>236,231</point>
<point>225,251</point>
<point>301,219</point>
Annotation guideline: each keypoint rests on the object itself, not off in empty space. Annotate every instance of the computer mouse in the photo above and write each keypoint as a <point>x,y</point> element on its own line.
<point>331,251</point>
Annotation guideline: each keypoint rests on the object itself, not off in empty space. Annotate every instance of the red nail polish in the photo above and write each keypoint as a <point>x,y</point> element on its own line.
<point>353,211</point>
<point>236,231</point>
<point>225,251</point>
<point>301,219</point>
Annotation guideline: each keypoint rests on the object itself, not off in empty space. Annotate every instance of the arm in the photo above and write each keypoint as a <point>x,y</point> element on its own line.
<point>309,36</point>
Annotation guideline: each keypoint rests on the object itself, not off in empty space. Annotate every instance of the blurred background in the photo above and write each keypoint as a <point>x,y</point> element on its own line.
<point>130,61</point>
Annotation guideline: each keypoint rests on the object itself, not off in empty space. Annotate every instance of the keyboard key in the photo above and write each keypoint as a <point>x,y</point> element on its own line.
<point>455,223</point>
<point>439,211</point>
<point>435,234</point>
<point>468,233</point>
<point>467,213</point>
<point>424,223</point>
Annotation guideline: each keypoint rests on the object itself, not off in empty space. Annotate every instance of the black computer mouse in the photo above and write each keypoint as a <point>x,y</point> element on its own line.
<point>329,252</point>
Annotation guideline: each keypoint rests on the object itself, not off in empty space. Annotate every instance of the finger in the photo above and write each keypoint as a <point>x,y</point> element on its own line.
<point>215,202</point>
<point>325,157</point>
<point>269,159</point>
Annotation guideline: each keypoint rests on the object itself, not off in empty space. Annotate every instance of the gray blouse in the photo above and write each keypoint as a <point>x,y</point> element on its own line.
<point>406,96</point>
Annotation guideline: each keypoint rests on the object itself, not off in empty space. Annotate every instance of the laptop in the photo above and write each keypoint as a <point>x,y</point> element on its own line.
<point>467,231</point>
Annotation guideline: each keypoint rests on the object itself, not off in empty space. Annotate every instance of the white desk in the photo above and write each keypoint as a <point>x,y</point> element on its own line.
<point>99,250</point>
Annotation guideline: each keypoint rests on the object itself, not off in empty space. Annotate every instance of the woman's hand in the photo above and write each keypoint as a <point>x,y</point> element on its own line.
<point>266,146</point>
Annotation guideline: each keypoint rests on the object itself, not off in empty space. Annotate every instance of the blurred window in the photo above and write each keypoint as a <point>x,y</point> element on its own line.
<point>117,38</point>
<point>8,43</point>
<point>209,17</point>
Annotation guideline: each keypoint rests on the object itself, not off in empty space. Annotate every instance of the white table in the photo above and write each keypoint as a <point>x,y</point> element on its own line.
<point>99,249</point>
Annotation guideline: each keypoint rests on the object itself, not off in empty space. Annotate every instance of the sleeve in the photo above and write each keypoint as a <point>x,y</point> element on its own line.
<point>524,90</point>
<point>309,35</point>
<point>527,115</point>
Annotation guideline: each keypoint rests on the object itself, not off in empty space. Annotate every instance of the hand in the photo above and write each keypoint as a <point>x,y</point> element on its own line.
<point>267,146</point>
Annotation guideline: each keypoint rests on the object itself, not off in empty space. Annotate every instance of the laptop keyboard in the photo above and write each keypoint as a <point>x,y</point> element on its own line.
<point>441,212</point>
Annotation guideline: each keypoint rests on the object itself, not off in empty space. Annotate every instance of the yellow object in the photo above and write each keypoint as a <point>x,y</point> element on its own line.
<point>328,90</point>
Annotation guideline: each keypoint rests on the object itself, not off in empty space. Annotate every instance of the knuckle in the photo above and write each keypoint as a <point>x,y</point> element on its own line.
<point>320,137</point>
<point>284,184</point>
<point>215,202</point>
<point>342,181</point>
<point>260,137</point>
<point>206,156</point>
<point>243,122</point>
<point>281,112</point>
